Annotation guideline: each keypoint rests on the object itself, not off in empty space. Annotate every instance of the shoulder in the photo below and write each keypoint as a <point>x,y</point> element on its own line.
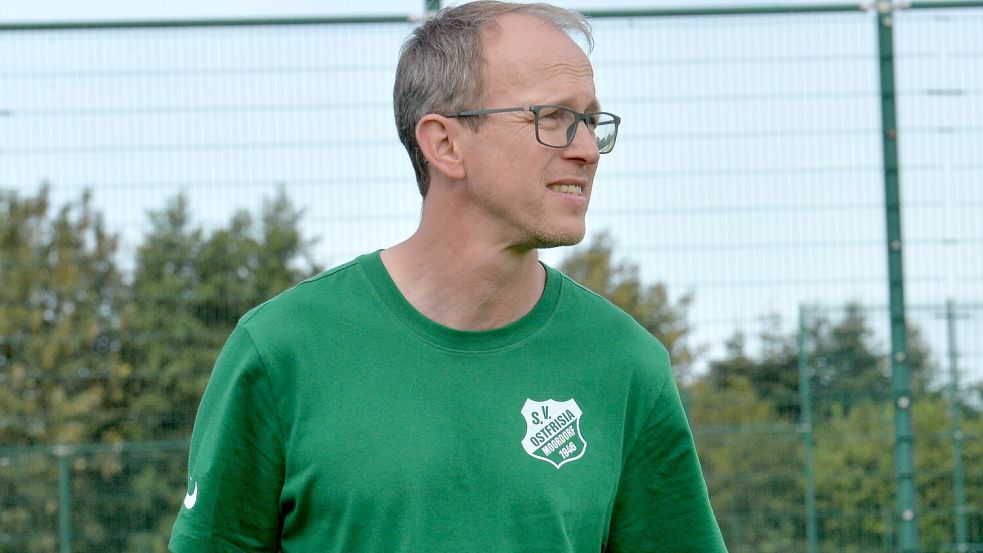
<point>608,328</point>
<point>305,324</point>
<point>583,307</point>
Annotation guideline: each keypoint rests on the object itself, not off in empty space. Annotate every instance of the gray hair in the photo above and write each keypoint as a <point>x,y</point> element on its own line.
<point>440,66</point>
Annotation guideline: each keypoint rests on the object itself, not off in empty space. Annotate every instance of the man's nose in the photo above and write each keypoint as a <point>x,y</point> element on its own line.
<point>584,145</point>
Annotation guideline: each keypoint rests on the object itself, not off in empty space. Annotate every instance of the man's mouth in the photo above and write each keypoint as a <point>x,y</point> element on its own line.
<point>574,189</point>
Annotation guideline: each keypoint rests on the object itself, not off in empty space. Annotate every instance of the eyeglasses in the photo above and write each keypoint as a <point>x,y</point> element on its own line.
<point>557,125</point>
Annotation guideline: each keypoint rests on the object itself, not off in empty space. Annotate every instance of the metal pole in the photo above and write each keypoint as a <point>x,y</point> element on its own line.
<point>725,10</point>
<point>904,463</point>
<point>189,23</point>
<point>64,453</point>
<point>959,483</point>
<point>805,418</point>
<point>942,4</point>
<point>432,6</point>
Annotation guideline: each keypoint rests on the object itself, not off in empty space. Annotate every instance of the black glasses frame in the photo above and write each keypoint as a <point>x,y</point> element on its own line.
<point>587,118</point>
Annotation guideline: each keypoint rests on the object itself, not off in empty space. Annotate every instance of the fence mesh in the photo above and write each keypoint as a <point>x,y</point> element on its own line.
<point>747,179</point>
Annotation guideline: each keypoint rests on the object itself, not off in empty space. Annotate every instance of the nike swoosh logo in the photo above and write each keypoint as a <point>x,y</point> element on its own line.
<point>191,498</point>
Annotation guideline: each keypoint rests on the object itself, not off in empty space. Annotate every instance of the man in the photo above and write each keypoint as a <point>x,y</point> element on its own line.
<point>451,393</point>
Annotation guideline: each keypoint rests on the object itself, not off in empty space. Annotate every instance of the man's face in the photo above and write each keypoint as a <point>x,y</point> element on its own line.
<point>531,195</point>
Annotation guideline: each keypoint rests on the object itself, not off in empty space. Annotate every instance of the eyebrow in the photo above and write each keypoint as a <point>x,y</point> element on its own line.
<point>592,107</point>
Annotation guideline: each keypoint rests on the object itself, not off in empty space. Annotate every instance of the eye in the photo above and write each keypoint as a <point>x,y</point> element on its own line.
<point>551,113</point>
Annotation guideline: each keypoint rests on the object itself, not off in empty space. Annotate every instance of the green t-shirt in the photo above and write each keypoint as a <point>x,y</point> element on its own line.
<point>340,419</point>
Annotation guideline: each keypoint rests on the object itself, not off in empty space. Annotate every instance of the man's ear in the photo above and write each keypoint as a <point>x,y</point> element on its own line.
<point>438,139</point>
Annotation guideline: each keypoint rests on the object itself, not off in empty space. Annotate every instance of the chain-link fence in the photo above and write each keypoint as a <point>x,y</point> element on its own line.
<point>224,162</point>
<point>801,457</point>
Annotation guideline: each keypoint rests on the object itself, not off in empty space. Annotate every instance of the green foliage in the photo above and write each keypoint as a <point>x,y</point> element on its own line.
<point>846,364</point>
<point>60,298</point>
<point>188,291</point>
<point>88,357</point>
<point>853,423</point>
<point>60,338</point>
<point>773,376</point>
<point>751,459</point>
<point>855,477</point>
<point>855,474</point>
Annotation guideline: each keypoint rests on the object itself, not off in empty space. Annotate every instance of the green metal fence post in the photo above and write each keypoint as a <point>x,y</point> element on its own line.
<point>805,418</point>
<point>64,454</point>
<point>432,6</point>
<point>904,465</point>
<point>959,482</point>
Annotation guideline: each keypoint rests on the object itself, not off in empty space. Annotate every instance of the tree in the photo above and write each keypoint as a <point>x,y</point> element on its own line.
<point>752,458</point>
<point>594,267</point>
<point>845,362</point>
<point>60,338</point>
<point>856,482</point>
<point>853,429</point>
<point>60,293</point>
<point>773,376</point>
<point>189,290</point>
<point>86,358</point>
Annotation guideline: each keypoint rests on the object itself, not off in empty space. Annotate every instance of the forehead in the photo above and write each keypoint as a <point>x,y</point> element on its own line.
<point>524,55</point>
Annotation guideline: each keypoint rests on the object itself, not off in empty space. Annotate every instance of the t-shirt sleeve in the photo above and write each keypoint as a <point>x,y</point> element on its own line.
<point>235,466</point>
<point>662,503</point>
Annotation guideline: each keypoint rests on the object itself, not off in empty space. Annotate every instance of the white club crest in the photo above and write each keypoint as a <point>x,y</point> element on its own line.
<point>553,431</point>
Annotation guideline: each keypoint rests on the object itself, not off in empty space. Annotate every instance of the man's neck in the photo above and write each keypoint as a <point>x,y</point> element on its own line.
<point>464,283</point>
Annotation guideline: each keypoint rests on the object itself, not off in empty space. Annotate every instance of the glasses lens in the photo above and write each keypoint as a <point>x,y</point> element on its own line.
<point>555,125</point>
<point>605,131</point>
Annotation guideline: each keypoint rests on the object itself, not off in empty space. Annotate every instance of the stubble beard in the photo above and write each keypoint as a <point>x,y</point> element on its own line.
<point>546,238</point>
